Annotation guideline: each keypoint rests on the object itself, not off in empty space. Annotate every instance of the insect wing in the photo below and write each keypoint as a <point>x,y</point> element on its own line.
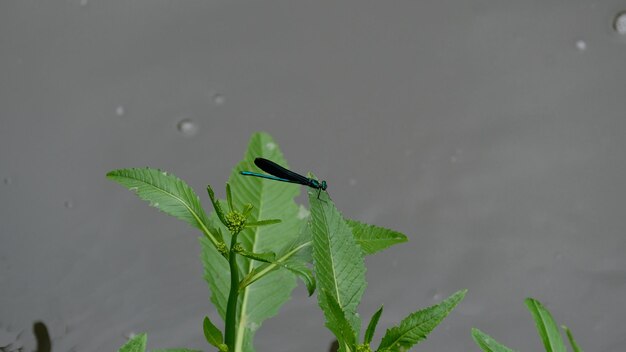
<point>274,169</point>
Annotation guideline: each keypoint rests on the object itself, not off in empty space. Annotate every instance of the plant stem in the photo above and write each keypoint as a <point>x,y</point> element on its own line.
<point>231,308</point>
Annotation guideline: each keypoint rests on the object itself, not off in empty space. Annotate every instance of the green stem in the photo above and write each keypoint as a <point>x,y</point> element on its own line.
<point>231,308</point>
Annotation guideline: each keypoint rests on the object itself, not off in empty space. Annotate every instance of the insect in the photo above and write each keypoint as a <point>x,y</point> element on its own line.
<point>279,173</point>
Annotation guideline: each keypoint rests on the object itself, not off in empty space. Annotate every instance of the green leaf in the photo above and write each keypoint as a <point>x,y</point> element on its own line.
<point>135,344</point>
<point>570,337</point>
<point>168,193</point>
<point>418,325</point>
<point>269,199</point>
<point>371,327</point>
<point>338,259</point>
<point>175,350</point>
<point>487,343</point>
<point>268,257</point>
<point>293,257</point>
<point>262,222</point>
<point>216,205</point>
<point>303,272</point>
<point>229,198</point>
<point>337,323</point>
<point>546,327</point>
<point>216,274</point>
<point>374,238</point>
<point>212,334</point>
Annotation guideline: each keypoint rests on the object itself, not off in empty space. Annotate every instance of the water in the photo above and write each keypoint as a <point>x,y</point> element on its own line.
<point>620,23</point>
<point>219,99</point>
<point>187,127</point>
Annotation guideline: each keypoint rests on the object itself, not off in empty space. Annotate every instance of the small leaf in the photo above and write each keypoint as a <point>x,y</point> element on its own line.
<point>175,350</point>
<point>304,273</point>
<point>546,327</point>
<point>168,193</point>
<point>268,257</point>
<point>216,205</point>
<point>135,344</point>
<point>418,325</point>
<point>262,222</point>
<point>374,238</point>
<point>487,343</point>
<point>212,334</point>
<point>229,198</point>
<point>570,337</point>
<point>371,327</point>
<point>247,208</point>
<point>337,323</point>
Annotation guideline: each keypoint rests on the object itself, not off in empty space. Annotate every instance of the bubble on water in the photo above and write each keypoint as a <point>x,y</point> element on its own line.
<point>437,296</point>
<point>119,111</point>
<point>187,127</point>
<point>68,204</point>
<point>218,99</point>
<point>270,146</point>
<point>352,182</point>
<point>303,212</point>
<point>619,24</point>
<point>581,45</point>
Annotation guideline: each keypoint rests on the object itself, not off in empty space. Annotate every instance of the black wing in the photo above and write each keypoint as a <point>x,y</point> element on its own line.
<point>276,170</point>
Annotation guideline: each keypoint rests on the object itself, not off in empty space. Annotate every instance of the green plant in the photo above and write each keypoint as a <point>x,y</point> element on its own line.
<point>253,253</point>
<point>546,327</point>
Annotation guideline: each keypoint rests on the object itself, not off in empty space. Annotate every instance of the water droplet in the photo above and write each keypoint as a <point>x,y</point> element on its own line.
<point>130,335</point>
<point>581,45</point>
<point>437,296</point>
<point>453,159</point>
<point>83,2</point>
<point>133,189</point>
<point>352,182</point>
<point>408,152</point>
<point>7,180</point>
<point>68,204</point>
<point>558,256</point>
<point>187,127</point>
<point>219,99</point>
<point>620,23</point>
<point>156,204</point>
<point>119,111</point>
<point>270,146</point>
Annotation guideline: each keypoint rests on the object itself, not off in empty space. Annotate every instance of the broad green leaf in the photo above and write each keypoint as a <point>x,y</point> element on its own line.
<point>212,334</point>
<point>546,327</point>
<point>175,350</point>
<point>135,344</point>
<point>371,327</point>
<point>337,322</point>
<point>418,325</point>
<point>487,343</point>
<point>268,257</point>
<point>338,259</point>
<point>167,193</point>
<point>570,337</point>
<point>216,274</point>
<point>374,238</point>
<point>269,200</point>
